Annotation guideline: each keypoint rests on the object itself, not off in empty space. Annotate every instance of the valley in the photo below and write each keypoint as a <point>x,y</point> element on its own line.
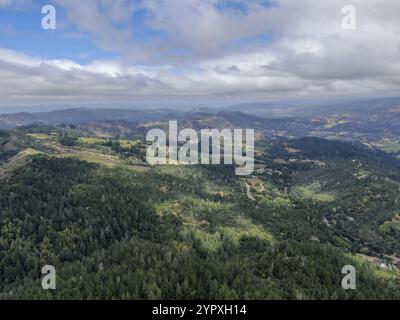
<point>80,196</point>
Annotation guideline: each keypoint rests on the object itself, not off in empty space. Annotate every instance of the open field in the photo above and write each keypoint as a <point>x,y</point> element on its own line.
<point>391,147</point>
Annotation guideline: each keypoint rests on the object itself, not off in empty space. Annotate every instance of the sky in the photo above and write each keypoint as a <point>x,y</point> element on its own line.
<point>123,51</point>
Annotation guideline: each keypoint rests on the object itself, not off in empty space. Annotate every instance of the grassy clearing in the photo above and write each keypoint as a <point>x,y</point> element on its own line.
<point>39,136</point>
<point>244,228</point>
<point>17,161</point>
<point>197,174</point>
<point>376,271</point>
<point>128,143</point>
<point>393,224</point>
<point>339,241</point>
<point>93,157</point>
<point>98,140</point>
<point>391,147</point>
<point>211,223</point>
<point>103,159</point>
<point>313,191</point>
<point>91,140</point>
<point>386,274</point>
<point>212,239</point>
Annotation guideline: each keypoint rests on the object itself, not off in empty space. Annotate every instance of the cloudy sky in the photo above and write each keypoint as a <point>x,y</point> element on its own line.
<point>197,50</point>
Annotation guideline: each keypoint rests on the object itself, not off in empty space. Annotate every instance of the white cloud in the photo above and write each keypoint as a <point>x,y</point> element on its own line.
<point>208,51</point>
<point>29,79</point>
<point>18,4</point>
<point>98,18</point>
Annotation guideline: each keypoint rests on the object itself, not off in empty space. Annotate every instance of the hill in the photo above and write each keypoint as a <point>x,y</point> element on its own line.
<point>116,228</point>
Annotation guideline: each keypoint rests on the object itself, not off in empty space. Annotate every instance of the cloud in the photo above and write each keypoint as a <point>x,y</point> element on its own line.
<point>215,48</point>
<point>16,4</point>
<point>202,27</point>
<point>30,79</point>
<point>99,18</point>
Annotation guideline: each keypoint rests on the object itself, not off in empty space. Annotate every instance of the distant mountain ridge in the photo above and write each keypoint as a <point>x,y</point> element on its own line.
<point>370,120</point>
<point>81,116</point>
<point>78,116</point>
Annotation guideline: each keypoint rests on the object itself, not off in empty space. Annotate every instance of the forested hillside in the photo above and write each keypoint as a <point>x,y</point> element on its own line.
<point>115,228</point>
